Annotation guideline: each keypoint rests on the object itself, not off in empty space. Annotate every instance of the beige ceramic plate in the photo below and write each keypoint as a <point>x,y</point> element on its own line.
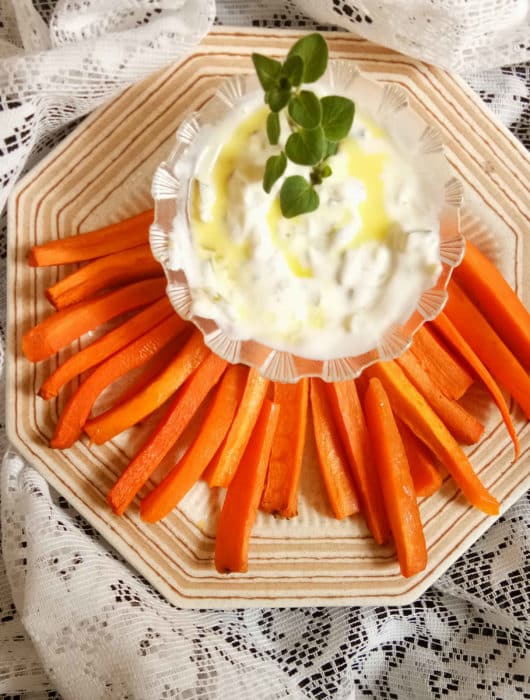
<point>103,173</point>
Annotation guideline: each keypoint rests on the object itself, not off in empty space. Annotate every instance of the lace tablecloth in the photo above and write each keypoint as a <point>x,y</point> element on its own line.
<point>75,620</point>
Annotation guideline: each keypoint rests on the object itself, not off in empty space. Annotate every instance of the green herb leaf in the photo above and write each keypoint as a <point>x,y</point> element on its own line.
<point>313,51</point>
<point>267,69</point>
<point>274,168</point>
<point>337,116</point>
<point>331,149</point>
<point>306,147</point>
<point>278,98</point>
<point>326,171</point>
<point>293,70</point>
<point>305,109</point>
<point>297,197</point>
<point>273,128</point>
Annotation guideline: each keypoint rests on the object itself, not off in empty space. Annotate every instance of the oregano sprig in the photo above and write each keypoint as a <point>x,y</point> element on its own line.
<point>317,125</point>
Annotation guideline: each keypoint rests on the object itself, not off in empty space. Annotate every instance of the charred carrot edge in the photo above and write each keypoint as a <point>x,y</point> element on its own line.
<point>425,476</point>
<point>349,418</point>
<point>176,484</point>
<point>183,407</point>
<point>462,425</point>
<point>334,467</point>
<point>94,244</point>
<point>110,271</point>
<point>488,289</point>
<point>280,495</point>
<point>79,405</point>
<point>497,357</point>
<point>243,496</point>
<point>240,430</point>
<point>396,481</point>
<point>409,404</point>
<point>61,328</point>
<point>118,418</point>
<point>450,333</point>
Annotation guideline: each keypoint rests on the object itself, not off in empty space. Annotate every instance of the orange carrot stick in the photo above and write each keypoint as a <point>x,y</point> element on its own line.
<point>280,494</point>
<point>183,407</point>
<point>162,499</point>
<point>61,328</point>
<point>87,246</point>
<point>105,346</point>
<point>396,481</point>
<point>413,409</point>
<point>349,418</point>
<point>450,333</point>
<point>332,459</point>
<point>462,425</point>
<point>242,499</point>
<point>487,288</point>
<point>450,376</point>
<point>79,405</point>
<point>425,476</point>
<point>500,361</point>
<point>110,271</point>
<point>117,419</point>
<point>240,430</point>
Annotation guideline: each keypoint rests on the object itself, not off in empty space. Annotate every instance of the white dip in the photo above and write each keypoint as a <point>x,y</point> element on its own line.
<point>322,285</point>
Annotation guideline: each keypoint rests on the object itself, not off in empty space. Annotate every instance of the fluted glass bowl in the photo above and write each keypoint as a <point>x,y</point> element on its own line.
<point>386,105</point>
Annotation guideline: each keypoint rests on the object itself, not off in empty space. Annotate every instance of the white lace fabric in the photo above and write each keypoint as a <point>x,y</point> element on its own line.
<point>75,620</point>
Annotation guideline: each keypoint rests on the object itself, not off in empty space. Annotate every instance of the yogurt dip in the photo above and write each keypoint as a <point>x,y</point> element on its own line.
<point>321,285</point>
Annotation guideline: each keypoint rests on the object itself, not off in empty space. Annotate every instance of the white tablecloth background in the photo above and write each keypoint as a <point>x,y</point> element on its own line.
<point>75,620</point>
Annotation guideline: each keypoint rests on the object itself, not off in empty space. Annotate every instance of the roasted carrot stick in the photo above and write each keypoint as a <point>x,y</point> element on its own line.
<point>349,418</point>
<point>462,425</point>
<point>183,407</point>
<point>500,361</point>
<point>79,405</point>
<point>425,476</point>
<point>487,288</point>
<point>332,459</point>
<point>450,333</point>
<point>450,376</point>
<point>242,499</point>
<point>162,499</point>
<point>110,271</point>
<point>280,495</point>
<point>413,409</point>
<point>117,419</point>
<point>105,346</point>
<point>87,246</point>
<point>61,328</point>
<point>396,481</point>
<point>240,430</point>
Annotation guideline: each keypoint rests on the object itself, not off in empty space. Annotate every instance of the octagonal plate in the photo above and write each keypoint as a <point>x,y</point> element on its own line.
<point>102,173</point>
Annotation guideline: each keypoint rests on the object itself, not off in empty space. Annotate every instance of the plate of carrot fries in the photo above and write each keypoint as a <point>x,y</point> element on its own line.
<point>224,488</point>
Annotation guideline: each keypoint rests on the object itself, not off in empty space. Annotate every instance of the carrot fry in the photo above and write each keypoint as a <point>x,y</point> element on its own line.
<point>462,425</point>
<point>349,418</point>
<point>450,333</point>
<point>162,499</point>
<point>332,459</point>
<point>425,476</point>
<point>110,271</point>
<point>105,346</point>
<point>87,246</point>
<point>396,481</point>
<point>183,407</point>
<point>240,430</point>
<point>487,288</point>
<point>243,496</point>
<point>117,419</point>
<point>409,404</point>
<point>500,361</point>
<point>61,328</point>
<point>79,405</point>
<point>447,373</point>
<point>280,495</point>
